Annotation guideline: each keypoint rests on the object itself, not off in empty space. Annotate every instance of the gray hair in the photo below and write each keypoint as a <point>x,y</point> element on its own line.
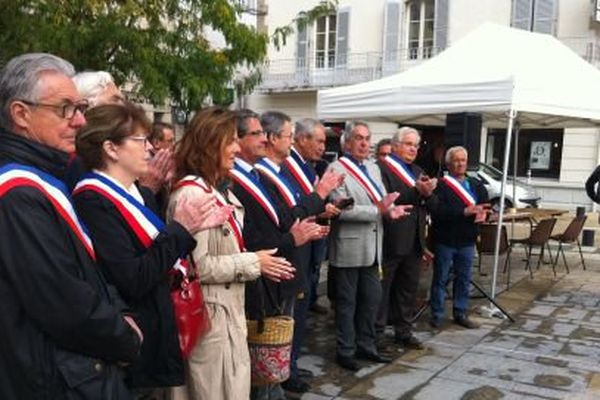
<point>20,78</point>
<point>91,84</point>
<point>403,132</point>
<point>306,127</point>
<point>455,149</point>
<point>350,127</point>
<point>273,121</point>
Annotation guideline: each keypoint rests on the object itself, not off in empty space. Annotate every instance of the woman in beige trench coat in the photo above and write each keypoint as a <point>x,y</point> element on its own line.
<point>219,365</point>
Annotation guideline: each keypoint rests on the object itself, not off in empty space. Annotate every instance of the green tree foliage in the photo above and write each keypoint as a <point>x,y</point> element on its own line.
<point>158,45</point>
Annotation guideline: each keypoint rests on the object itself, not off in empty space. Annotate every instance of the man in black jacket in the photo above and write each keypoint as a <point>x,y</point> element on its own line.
<point>267,225</point>
<point>403,239</point>
<point>461,205</point>
<point>63,328</point>
<point>293,205</point>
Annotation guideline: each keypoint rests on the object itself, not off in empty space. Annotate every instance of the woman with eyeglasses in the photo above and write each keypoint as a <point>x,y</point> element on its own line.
<point>219,366</point>
<point>135,250</point>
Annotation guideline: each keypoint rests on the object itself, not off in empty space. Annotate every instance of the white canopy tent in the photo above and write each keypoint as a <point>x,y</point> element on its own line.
<point>506,74</point>
<point>489,71</point>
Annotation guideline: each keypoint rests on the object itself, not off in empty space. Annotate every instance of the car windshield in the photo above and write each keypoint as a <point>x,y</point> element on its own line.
<point>494,173</point>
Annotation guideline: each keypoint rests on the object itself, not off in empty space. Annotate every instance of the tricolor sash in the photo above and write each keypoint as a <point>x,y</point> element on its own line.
<point>299,171</point>
<point>400,169</point>
<point>236,226</point>
<point>282,184</point>
<point>467,197</point>
<point>143,222</point>
<point>256,190</point>
<point>16,175</point>
<point>363,179</point>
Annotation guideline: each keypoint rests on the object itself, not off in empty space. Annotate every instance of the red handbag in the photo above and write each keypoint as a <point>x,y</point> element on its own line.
<point>191,315</point>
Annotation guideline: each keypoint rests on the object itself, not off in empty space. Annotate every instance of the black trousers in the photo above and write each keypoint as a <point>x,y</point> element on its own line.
<point>357,296</point>
<point>400,283</point>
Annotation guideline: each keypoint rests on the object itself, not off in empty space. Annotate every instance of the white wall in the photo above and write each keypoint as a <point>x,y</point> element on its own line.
<point>574,18</point>
<point>297,105</point>
<point>366,25</point>
<point>466,15</point>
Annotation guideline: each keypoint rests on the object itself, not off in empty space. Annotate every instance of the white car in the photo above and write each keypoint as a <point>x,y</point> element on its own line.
<point>491,178</point>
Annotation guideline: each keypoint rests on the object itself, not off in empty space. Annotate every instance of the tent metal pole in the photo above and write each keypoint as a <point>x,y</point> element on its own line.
<point>516,130</point>
<point>511,120</point>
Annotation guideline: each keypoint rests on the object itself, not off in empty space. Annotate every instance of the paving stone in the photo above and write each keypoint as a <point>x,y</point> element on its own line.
<point>454,390</point>
<point>434,357</point>
<point>313,363</point>
<point>551,352</point>
<point>541,310</point>
<point>461,337</point>
<point>475,366</point>
<point>312,396</point>
<point>572,313</point>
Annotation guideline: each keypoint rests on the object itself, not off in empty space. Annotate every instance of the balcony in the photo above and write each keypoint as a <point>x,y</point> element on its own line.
<point>315,73</point>
<point>283,75</point>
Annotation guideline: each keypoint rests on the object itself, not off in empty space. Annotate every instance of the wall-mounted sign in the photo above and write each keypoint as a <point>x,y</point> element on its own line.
<point>539,155</point>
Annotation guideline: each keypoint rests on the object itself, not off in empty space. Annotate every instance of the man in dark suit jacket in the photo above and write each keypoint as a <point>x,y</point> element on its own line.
<point>267,224</point>
<point>292,206</point>
<point>308,148</point>
<point>403,239</point>
<point>461,205</point>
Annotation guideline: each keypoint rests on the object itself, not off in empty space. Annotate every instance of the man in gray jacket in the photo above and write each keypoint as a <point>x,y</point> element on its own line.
<point>355,248</point>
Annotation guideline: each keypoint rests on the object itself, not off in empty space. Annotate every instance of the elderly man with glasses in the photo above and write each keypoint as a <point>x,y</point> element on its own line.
<point>64,330</point>
<point>404,239</point>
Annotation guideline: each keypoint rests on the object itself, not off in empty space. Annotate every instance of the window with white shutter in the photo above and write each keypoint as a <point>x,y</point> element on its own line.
<point>325,41</point>
<point>522,13</point>
<point>391,33</point>
<point>343,29</point>
<point>544,16</point>
<point>302,46</point>
<point>421,27</point>
<point>534,15</point>
<point>440,25</point>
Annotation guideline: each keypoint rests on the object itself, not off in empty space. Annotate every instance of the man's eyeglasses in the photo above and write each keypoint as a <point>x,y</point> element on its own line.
<point>66,110</point>
<point>143,139</point>
<point>414,145</point>
<point>257,132</point>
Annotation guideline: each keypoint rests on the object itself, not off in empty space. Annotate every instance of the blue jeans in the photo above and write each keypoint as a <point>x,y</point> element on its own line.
<point>461,259</point>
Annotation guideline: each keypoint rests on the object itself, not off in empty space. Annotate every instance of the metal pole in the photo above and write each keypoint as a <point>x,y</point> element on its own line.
<point>511,119</point>
<point>516,129</point>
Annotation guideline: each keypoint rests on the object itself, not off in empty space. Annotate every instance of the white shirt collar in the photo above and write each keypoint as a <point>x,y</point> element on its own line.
<point>298,154</point>
<point>243,164</point>
<point>132,190</point>
<point>272,164</point>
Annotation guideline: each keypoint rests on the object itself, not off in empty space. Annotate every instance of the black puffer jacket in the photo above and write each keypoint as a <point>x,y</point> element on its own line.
<point>62,326</point>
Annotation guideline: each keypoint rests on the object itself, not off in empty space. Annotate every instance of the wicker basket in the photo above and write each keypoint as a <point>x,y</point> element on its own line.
<point>270,350</point>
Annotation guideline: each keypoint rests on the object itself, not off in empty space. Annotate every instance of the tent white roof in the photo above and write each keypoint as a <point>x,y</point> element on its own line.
<point>487,71</point>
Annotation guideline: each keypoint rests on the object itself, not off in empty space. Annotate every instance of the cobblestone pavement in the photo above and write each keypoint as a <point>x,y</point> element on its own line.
<point>551,351</point>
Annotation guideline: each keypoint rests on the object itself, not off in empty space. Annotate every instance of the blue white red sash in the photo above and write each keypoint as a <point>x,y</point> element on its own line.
<point>256,190</point>
<point>16,175</point>
<point>282,184</point>
<point>145,224</point>
<point>375,194</point>
<point>297,168</point>
<point>400,169</point>
<point>467,197</point>
<point>236,226</point>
